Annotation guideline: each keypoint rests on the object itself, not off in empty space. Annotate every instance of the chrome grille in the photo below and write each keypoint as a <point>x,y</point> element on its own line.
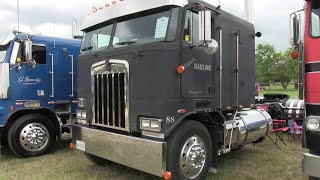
<point>110,95</point>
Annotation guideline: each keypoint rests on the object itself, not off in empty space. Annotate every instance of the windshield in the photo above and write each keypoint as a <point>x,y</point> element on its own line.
<point>155,27</point>
<point>97,40</point>
<point>152,28</point>
<point>315,19</point>
<point>3,53</point>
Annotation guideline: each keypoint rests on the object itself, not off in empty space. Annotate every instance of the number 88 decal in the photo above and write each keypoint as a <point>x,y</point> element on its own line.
<point>170,119</point>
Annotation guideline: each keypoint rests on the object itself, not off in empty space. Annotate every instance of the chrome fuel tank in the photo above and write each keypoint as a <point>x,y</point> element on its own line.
<point>248,126</point>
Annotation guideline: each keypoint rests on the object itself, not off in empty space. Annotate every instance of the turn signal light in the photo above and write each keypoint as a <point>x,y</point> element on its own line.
<point>19,103</point>
<point>167,175</point>
<point>182,111</point>
<point>180,69</point>
<point>294,55</point>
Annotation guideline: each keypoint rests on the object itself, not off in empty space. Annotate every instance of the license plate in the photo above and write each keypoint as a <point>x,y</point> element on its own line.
<point>80,145</point>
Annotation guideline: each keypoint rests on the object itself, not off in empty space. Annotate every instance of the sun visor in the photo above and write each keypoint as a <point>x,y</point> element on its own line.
<point>9,38</point>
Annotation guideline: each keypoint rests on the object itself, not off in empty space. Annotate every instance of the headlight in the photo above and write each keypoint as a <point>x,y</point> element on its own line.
<point>32,104</point>
<point>313,123</point>
<point>81,103</point>
<point>150,124</point>
<point>81,114</point>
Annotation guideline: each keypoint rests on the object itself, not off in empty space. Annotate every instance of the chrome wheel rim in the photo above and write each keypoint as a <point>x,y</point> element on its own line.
<point>34,137</point>
<point>193,157</point>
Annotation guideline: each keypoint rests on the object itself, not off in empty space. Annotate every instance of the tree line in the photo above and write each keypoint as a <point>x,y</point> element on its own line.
<point>275,66</point>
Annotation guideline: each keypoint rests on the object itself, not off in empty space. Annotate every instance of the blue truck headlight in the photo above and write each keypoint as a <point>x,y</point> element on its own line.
<point>313,123</point>
<point>150,124</point>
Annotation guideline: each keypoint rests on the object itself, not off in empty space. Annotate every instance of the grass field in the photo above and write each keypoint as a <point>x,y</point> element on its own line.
<point>262,161</point>
<point>293,93</point>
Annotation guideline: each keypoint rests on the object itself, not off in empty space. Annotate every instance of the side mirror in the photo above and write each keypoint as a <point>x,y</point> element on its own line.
<point>211,46</point>
<point>27,50</point>
<point>205,32</point>
<point>14,54</point>
<point>205,25</point>
<point>295,30</point>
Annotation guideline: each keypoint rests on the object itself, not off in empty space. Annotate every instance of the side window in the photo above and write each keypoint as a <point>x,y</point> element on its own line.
<point>315,24</point>
<point>191,28</point>
<point>39,54</point>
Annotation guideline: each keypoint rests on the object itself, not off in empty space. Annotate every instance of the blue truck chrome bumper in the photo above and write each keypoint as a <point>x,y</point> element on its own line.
<point>311,164</point>
<point>141,154</point>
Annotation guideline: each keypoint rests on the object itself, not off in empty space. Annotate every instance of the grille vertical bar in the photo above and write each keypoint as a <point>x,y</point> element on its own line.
<point>110,106</point>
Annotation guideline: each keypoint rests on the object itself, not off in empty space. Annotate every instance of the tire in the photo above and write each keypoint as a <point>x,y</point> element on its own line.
<point>98,160</point>
<point>180,150</point>
<point>31,135</point>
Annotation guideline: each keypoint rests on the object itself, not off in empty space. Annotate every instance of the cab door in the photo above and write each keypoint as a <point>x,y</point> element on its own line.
<point>197,81</point>
<point>29,82</point>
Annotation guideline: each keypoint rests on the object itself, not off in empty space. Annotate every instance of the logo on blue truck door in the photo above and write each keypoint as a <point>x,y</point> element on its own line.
<point>26,80</point>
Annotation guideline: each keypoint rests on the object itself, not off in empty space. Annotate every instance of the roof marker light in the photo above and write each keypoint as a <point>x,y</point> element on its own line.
<point>114,2</point>
<point>100,8</point>
<point>107,5</point>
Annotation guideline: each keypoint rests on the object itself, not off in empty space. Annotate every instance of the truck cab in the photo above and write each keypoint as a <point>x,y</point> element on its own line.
<point>166,86</point>
<point>37,91</point>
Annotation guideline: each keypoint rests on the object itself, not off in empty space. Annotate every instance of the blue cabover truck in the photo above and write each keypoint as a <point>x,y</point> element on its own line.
<point>37,91</point>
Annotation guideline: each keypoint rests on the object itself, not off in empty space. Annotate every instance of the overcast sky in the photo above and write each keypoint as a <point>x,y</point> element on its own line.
<point>51,17</point>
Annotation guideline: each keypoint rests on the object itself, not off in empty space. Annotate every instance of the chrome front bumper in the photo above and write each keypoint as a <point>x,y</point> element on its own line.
<point>311,164</point>
<point>141,154</point>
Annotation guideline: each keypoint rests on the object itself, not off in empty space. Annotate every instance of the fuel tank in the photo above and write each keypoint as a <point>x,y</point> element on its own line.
<point>249,126</point>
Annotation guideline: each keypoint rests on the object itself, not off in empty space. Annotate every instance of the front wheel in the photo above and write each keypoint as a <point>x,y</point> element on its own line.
<point>189,151</point>
<point>31,135</point>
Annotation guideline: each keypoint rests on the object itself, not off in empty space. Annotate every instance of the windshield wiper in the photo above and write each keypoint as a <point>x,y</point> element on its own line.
<point>129,43</point>
<point>89,49</point>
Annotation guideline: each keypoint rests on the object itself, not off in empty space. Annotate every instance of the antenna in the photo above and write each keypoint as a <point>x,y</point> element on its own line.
<point>74,27</point>
<point>54,35</point>
<point>18,17</point>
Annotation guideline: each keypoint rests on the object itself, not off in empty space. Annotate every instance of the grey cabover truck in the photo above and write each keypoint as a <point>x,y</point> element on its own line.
<point>166,87</point>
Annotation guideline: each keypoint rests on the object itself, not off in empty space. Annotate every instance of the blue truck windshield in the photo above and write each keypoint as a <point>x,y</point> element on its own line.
<point>145,29</point>
<point>3,52</point>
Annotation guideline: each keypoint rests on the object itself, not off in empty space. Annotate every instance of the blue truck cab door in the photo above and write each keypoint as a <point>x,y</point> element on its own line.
<point>29,82</point>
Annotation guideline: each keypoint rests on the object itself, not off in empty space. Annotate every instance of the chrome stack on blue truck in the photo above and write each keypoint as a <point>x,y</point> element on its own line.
<point>37,91</point>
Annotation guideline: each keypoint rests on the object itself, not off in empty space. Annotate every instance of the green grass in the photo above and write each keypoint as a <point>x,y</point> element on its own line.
<point>262,161</point>
<point>293,93</point>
